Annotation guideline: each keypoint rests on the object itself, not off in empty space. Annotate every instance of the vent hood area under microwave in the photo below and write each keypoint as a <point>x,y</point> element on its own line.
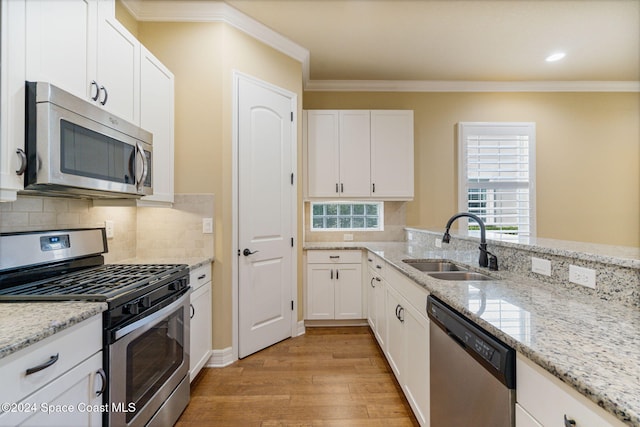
<point>76,149</point>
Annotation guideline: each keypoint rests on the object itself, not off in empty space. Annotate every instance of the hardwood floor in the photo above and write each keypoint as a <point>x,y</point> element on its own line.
<point>327,377</point>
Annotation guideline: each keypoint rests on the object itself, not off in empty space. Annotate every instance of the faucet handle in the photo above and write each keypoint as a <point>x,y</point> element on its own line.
<point>493,261</point>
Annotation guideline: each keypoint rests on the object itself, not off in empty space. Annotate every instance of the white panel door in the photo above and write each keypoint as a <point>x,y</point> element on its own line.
<point>355,168</point>
<point>266,216</point>
<point>323,154</point>
<point>61,37</point>
<point>392,153</point>
<point>118,67</point>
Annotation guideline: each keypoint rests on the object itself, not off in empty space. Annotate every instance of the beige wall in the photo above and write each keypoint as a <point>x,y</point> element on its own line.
<point>202,57</point>
<point>588,155</point>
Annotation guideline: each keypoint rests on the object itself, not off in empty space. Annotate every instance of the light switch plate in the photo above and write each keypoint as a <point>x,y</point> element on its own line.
<point>207,225</point>
<point>438,242</point>
<point>541,266</point>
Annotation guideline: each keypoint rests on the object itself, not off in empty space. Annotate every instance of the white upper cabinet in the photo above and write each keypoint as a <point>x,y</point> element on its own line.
<point>12,92</point>
<point>360,154</point>
<point>79,46</point>
<point>157,117</point>
<point>392,154</point>
<point>355,136</point>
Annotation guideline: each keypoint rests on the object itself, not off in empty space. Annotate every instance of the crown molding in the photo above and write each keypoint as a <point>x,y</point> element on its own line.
<point>217,11</point>
<point>469,86</point>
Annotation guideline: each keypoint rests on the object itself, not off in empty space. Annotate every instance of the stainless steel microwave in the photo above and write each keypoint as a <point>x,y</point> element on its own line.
<point>75,148</point>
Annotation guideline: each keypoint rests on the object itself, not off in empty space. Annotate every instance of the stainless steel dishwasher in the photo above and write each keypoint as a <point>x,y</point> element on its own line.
<point>472,372</point>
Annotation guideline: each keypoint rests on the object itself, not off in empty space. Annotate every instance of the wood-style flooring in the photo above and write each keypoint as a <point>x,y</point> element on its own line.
<point>327,377</point>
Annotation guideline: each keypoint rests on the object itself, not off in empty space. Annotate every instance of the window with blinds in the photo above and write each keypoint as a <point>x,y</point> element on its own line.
<point>497,177</point>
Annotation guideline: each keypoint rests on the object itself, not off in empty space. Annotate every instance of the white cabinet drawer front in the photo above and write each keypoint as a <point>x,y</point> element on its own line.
<point>376,263</point>
<point>200,276</point>
<point>72,346</point>
<point>548,400</point>
<point>524,419</point>
<point>338,257</point>
<point>411,291</point>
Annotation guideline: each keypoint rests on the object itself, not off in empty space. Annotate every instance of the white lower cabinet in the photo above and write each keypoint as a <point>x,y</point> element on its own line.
<point>200,333</point>
<point>68,391</point>
<point>375,286</point>
<point>548,401</point>
<point>408,350</point>
<point>334,285</point>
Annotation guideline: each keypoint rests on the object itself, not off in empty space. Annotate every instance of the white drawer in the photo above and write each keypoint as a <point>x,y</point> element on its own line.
<point>548,399</point>
<point>200,276</point>
<point>415,294</point>
<point>377,264</point>
<point>336,257</point>
<point>72,346</point>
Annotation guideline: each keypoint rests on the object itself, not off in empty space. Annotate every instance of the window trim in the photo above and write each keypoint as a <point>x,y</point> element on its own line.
<point>347,202</point>
<point>505,128</point>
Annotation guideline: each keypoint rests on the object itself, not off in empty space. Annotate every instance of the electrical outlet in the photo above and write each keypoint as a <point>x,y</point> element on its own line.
<point>347,237</point>
<point>207,225</point>
<point>409,236</point>
<point>438,242</point>
<point>582,276</point>
<point>109,228</point>
<point>541,266</point>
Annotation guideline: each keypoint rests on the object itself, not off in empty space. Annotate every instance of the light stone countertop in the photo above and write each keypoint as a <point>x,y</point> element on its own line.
<point>25,323</point>
<point>589,343</point>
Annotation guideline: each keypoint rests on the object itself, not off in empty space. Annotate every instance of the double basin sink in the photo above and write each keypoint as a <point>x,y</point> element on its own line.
<point>445,270</point>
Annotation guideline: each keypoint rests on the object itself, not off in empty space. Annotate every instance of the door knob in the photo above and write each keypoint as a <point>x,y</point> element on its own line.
<point>247,252</point>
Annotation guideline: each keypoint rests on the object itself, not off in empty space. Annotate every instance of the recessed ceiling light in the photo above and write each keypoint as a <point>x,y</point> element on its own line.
<point>555,57</point>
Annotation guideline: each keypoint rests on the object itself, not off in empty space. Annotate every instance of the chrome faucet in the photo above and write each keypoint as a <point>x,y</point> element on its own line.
<point>487,259</point>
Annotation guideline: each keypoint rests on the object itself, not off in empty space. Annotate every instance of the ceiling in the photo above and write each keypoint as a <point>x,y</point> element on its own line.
<point>458,40</point>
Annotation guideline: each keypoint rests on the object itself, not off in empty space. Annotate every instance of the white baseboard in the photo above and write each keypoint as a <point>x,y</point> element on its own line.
<point>333,323</point>
<point>220,358</point>
<point>301,329</point>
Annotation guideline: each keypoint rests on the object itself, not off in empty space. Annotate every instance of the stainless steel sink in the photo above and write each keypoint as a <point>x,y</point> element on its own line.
<point>460,275</point>
<point>432,265</point>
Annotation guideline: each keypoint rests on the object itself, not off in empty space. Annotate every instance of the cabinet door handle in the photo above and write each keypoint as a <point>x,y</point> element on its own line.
<point>331,274</point>
<point>374,187</point>
<point>23,161</point>
<point>94,84</point>
<point>193,311</point>
<point>103,377</point>
<point>568,422</point>
<point>103,101</point>
<point>372,285</point>
<point>397,308</point>
<point>337,188</point>
<point>341,188</point>
<point>337,274</point>
<point>53,359</point>
<point>401,314</point>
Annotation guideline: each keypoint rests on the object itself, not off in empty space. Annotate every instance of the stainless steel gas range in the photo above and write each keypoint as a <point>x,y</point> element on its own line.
<point>146,325</point>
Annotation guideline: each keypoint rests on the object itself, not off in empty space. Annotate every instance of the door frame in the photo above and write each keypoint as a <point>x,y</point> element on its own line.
<point>235,300</point>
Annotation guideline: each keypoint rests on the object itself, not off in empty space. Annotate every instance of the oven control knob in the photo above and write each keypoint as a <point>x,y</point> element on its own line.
<point>144,303</point>
<point>130,308</point>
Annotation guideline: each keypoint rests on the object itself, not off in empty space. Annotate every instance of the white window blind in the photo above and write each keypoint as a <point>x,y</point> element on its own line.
<point>497,177</point>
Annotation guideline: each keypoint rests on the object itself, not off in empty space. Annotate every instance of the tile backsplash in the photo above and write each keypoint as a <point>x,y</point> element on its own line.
<point>138,231</point>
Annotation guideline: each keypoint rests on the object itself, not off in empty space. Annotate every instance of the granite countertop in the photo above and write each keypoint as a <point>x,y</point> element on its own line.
<point>192,262</point>
<point>25,323</point>
<point>590,344</point>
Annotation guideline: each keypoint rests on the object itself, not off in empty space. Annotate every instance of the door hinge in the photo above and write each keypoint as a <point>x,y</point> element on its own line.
<point>292,242</point>
<point>292,116</point>
<point>291,178</point>
<point>291,305</point>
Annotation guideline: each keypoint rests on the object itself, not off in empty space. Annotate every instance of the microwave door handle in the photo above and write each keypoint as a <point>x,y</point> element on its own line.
<point>145,167</point>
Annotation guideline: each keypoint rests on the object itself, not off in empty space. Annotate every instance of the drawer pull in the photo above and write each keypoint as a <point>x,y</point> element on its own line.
<point>202,277</point>
<point>45,365</point>
<point>334,256</point>
<point>569,422</point>
<point>103,377</point>
<point>378,266</point>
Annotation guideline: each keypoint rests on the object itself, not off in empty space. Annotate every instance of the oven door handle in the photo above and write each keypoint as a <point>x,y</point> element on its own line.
<point>148,320</point>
